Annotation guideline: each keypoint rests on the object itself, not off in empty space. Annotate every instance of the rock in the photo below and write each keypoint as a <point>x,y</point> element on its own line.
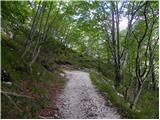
<point>62,74</point>
<point>7,83</point>
<point>5,76</point>
<point>128,104</point>
<point>55,115</point>
<point>109,102</point>
<point>38,73</point>
<point>103,81</point>
<point>119,94</point>
<point>137,110</point>
<point>11,49</point>
<point>113,87</point>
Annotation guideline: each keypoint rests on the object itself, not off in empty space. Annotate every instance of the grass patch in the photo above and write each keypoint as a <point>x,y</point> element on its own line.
<point>145,108</point>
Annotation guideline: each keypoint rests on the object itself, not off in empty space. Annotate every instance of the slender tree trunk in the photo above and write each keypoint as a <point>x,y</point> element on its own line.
<point>99,64</point>
<point>151,53</point>
<point>114,45</point>
<point>139,90</point>
<point>140,73</point>
<point>118,75</point>
<point>32,31</point>
<point>35,57</point>
<point>152,73</point>
<point>40,33</point>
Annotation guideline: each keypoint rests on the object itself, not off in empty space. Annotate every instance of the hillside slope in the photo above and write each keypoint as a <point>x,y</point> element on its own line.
<point>26,91</point>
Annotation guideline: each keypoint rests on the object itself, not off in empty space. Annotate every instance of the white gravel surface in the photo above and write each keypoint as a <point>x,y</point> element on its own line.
<point>80,99</point>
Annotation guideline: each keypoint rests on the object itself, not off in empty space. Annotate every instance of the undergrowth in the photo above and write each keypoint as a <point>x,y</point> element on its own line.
<point>147,106</point>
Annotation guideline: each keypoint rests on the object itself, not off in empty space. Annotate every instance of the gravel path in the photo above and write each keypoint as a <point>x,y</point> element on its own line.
<point>80,99</point>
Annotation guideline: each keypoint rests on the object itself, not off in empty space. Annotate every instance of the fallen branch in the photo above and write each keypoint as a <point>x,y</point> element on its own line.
<point>15,94</point>
<point>12,102</point>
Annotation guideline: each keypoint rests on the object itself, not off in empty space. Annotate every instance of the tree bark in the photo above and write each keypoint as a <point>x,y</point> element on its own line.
<point>32,31</point>
<point>40,32</point>
<point>35,57</point>
<point>140,87</point>
<point>118,73</point>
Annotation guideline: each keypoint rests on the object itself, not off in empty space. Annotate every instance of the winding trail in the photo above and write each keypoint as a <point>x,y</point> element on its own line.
<point>80,99</point>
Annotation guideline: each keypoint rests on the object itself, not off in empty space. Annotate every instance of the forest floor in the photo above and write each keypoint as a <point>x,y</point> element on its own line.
<point>78,99</point>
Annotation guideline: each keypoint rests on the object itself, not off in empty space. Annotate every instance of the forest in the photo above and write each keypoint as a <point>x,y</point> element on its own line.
<point>80,59</point>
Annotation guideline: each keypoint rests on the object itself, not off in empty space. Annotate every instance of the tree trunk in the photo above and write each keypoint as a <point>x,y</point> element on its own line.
<point>140,87</point>
<point>114,46</point>
<point>32,31</point>
<point>26,50</point>
<point>118,46</point>
<point>35,57</point>
<point>40,30</point>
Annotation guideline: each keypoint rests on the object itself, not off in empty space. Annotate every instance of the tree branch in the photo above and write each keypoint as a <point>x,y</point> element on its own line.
<point>15,94</point>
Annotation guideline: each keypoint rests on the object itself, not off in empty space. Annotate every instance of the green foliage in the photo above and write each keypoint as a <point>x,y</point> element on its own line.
<point>146,108</point>
<point>148,104</point>
<point>15,15</point>
<point>20,74</point>
<point>81,35</point>
<point>108,88</point>
<point>30,108</point>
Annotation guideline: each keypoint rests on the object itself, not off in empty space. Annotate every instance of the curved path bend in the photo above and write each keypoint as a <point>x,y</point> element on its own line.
<point>80,99</point>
